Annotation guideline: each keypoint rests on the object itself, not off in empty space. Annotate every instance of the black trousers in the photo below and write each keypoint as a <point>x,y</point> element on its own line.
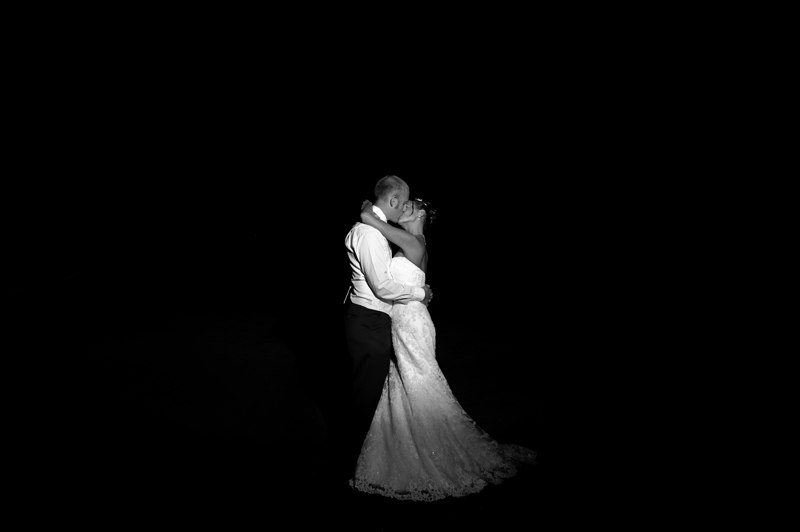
<point>369,344</point>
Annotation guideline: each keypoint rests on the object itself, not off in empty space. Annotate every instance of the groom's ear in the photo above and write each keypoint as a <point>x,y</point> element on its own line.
<point>393,202</point>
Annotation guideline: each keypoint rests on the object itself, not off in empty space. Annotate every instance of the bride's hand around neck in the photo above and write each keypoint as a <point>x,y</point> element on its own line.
<point>366,209</point>
<point>412,246</point>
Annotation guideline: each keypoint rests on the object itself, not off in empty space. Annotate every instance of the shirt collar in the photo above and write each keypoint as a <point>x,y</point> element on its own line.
<point>379,212</point>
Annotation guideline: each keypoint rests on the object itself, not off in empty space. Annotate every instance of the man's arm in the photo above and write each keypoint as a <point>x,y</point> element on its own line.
<point>376,272</point>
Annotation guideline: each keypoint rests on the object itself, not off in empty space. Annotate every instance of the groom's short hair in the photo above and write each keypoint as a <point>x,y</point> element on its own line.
<point>389,186</point>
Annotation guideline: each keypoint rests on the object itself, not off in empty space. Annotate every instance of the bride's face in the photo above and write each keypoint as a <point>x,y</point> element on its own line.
<point>408,213</point>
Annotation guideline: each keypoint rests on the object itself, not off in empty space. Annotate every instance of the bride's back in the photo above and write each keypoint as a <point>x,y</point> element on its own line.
<point>406,272</point>
<point>418,258</point>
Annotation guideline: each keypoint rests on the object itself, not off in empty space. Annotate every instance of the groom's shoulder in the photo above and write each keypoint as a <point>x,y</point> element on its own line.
<point>362,229</point>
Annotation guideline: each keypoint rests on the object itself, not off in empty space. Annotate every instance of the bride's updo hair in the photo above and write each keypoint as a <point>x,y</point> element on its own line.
<point>430,212</point>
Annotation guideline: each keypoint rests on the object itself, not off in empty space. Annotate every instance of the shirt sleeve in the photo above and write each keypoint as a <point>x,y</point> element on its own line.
<point>376,271</point>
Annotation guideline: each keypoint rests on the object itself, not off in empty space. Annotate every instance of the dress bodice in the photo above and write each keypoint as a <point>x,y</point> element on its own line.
<point>406,272</point>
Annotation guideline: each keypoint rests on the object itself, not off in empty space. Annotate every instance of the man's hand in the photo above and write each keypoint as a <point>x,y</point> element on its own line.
<point>428,295</point>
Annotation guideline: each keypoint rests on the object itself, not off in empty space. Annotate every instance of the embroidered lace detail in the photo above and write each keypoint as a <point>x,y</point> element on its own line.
<point>422,445</point>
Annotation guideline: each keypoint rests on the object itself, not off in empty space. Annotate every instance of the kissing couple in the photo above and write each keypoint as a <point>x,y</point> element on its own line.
<point>408,437</point>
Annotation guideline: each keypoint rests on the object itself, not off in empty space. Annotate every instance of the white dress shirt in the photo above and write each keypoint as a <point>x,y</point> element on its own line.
<point>370,256</point>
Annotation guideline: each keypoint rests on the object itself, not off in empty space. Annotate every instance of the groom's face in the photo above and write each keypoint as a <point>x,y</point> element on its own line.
<point>400,207</point>
<point>408,212</point>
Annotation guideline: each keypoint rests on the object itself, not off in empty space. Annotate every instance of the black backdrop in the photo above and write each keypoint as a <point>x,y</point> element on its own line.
<point>228,217</point>
<point>159,185</point>
<point>197,215</point>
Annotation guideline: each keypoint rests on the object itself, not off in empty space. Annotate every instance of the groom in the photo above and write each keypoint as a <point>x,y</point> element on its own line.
<point>368,328</point>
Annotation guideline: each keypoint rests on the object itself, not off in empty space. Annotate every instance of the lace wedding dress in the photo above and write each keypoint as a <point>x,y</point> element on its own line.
<point>422,445</point>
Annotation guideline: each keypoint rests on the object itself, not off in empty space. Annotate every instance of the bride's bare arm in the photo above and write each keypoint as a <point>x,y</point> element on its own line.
<point>407,242</point>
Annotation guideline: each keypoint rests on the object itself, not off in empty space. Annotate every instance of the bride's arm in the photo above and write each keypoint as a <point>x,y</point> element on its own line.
<point>399,237</point>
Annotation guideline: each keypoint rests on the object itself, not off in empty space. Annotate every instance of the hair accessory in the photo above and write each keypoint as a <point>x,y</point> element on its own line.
<point>430,212</point>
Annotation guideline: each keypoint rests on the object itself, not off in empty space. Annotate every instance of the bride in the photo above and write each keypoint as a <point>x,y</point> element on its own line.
<point>422,445</point>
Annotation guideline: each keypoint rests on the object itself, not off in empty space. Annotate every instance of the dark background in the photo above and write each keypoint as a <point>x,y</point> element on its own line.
<point>151,302</point>
<point>178,270</point>
<point>175,196</point>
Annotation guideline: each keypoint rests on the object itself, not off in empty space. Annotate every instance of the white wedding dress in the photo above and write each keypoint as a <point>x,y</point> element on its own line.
<point>422,445</point>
